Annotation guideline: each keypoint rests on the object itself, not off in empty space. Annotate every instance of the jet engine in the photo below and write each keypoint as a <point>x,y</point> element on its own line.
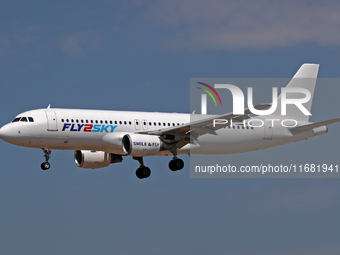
<point>95,159</point>
<point>113,142</point>
<point>139,145</point>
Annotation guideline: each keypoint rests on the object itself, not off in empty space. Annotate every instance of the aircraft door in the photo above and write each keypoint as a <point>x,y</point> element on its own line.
<point>268,130</point>
<point>145,124</point>
<point>137,125</point>
<point>52,124</point>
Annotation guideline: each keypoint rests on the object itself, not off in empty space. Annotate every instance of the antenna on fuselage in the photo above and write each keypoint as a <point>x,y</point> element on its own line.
<point>49,106</point>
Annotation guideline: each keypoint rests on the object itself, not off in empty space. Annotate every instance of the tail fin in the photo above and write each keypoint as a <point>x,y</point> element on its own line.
<point>305,78</point>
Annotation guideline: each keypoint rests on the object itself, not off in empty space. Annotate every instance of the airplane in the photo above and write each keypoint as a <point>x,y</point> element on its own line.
<point>101,137</point>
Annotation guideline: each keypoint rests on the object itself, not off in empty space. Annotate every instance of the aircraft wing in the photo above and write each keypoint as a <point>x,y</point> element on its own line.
<point>314,125</point>
<point>200,125</point>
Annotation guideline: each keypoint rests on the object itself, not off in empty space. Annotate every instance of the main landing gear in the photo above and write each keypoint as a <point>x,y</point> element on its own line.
<point>45,165</point>
<point>143,171</point>
<point>175,164</point>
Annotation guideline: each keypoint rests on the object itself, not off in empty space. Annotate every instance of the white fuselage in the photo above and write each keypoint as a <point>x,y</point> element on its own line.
<point>71,129</point>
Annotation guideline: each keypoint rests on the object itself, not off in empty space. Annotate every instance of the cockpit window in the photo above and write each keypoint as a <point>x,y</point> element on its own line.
<point>16,120</point>
<point>23,119</point>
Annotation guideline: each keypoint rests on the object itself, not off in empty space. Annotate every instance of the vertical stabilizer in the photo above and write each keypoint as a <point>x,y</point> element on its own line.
<point>305,78</point>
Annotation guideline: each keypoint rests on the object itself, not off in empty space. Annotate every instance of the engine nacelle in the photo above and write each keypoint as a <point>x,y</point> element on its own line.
<point>139,145</point>
<point>113,142</point>
<point>95,159</point>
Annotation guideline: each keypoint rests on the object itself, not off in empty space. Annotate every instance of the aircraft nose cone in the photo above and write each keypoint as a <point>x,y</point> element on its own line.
<point>10,134</point>
<point>4,132</point>
<point>1,132</point>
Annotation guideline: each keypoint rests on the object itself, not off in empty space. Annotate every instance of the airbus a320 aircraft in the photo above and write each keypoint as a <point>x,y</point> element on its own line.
<point>101,138</point>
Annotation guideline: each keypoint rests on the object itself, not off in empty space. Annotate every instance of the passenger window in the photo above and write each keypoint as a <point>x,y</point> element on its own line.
<point>169,124</point>
<point>164,124</point>
<point>23,119</point>
<point>96,121</point>
<point>124,122</point>
<point>82,121</point>
<point>30,119</point>
<point>105,121</point>
<point>16,120</point>
<point>115,122</point>
<point>130,123</point>
<point>150,124</point>
<point>77,120</point>
<point>62,120</point>
<point>155,124</point>
<point>67,120</point>
<point>87,121</point>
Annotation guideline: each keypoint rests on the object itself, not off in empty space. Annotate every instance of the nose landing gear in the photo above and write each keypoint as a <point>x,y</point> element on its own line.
<point>47,154</point>
<point>45,166</point>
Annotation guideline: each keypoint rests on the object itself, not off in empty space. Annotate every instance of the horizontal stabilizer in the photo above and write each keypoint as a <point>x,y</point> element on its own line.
<point>315,125</point>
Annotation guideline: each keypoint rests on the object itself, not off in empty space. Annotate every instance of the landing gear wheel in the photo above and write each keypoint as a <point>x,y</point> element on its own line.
<point>143,172</point>
<point>45,166</point>
<point>47,156</point>
<point>176,164</point>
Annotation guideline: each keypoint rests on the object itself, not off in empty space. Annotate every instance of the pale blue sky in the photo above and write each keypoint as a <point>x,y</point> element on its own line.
<point>140,55</point>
